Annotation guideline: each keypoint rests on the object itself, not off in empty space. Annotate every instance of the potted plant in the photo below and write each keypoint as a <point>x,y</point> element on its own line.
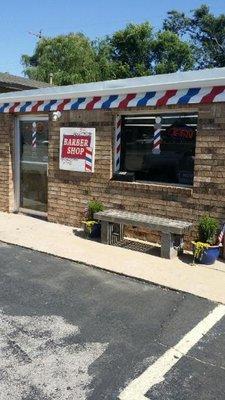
<point>206,248</point>
<point>92,227</point>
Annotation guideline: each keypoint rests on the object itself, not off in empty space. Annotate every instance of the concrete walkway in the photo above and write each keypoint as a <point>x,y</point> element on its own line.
<point>60,240</point>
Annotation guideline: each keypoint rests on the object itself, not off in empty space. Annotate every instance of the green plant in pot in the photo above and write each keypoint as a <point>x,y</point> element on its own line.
<point>206,250</point>
<point>92,227</point>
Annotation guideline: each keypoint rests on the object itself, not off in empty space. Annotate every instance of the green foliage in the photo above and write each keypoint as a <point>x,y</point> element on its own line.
<point>199,248</point>
<point>131,50</point>
<point>171,54</point>
<point>93,207</point>
<point>207,229</point>
<point>186,41</point>
<point>205,31</point>
<point>71,59</point>
<point>89,226</point>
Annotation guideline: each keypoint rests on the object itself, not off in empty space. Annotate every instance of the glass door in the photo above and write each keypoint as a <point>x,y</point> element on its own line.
<point>33,179</point>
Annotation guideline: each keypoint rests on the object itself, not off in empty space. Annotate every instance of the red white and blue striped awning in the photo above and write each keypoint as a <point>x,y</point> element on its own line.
<point>192,87</point>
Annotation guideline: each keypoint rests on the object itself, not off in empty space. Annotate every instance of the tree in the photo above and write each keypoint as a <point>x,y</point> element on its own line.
<point>171,54</point>
<point>204,30</point>
<point>71,58</point>
<point>131,50</point>
<point>135,51</point>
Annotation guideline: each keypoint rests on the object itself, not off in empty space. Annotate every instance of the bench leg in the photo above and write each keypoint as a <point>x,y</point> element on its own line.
<point>106,232</point>
<point>121,232</point>
<point>167,249</point>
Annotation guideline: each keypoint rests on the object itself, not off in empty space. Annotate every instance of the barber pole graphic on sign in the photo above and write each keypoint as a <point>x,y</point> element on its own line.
<point>77,149</point>
<point>157,136</point>
<point>88,159</point>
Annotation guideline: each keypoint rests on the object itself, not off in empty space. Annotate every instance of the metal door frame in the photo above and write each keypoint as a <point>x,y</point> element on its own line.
<point>17,208</point>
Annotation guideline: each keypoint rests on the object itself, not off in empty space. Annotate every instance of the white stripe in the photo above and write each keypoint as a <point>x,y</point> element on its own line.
<point>55,105</point>
<point>198,97</point>
<point>134,101</point>
<point>28,108</point>
<point>17,109</point>
<point>41,106</point>
<point>6,110</point>
<point>68,105</point>
<point>178,95</point>
<point>219,97</point>
<point>155,373</point>
<point>153,100</point>
<point>99,103</point>
<point>83,105</point>
<point>116,102</point>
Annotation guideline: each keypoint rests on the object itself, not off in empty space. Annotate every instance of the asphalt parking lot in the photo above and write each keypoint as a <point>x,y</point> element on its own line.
<point>69,331</point>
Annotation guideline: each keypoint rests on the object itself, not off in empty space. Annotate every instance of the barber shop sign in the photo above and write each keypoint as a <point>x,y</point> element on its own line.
<point>77,149</point>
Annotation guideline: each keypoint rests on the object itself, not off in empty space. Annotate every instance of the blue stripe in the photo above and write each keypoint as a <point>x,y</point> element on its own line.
<point>49,105</point>
<point>107,103</point>
<point>88,159</point>
<point>190,93</point>
<point>118,136</point>
<point>2,109</point>
<point>24,107</point>
<point>117,161</point>
<point>157,136</point>
<point>79,101</point>
<point>146,98</point>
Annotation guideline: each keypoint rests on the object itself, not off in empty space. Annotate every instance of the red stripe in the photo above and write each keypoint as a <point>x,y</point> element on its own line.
<point>88,152</point>
<point>124,103</point>
<point>88,167</point>
<point>12,109</point>
<point>208,98</point>
<point>119,123</point>
<point>118,149</point>
<point>37,105</point>
<point>92,103</point>
<point>156,144</point>
<point>166,97</point>
<point>62,105</point>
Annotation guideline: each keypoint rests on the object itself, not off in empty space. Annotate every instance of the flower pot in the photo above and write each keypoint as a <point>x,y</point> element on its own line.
<point>209,255</point>
<point>95,231</point>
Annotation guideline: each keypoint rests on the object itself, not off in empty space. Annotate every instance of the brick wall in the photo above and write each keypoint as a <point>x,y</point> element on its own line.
<point>6,162</point>
<point>69,192</point>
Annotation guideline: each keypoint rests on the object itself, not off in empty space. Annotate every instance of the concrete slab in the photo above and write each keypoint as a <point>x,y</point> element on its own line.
<point>60,240</point>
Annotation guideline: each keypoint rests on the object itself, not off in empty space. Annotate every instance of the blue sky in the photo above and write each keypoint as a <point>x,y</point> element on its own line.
<point>92,17</point>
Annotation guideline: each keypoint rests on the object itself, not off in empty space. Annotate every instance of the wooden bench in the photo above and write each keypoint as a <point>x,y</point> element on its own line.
<point>172,231</point>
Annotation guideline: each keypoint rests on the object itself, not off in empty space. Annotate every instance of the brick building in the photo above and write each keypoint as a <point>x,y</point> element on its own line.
<point>165,133</point>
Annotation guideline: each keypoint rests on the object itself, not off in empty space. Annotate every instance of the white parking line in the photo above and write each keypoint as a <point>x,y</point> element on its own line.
<point>155,373</point>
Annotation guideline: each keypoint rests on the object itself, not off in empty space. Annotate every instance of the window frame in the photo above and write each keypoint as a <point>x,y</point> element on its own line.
<point>151,113</point>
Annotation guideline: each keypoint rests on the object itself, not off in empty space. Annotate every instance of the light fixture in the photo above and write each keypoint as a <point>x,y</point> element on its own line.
<point>56,115</point>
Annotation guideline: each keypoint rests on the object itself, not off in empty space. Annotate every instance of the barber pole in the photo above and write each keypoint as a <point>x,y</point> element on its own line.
<point>34,136</point>
<point>88,159</point>
<point>157,136</point>
<point>118,142</point>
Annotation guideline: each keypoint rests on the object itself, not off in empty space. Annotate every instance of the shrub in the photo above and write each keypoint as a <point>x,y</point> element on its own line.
<point>207,229</point>
<point>93,207</point>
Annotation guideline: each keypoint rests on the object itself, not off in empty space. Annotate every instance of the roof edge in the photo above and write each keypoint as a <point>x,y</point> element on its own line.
<point>114,87</point>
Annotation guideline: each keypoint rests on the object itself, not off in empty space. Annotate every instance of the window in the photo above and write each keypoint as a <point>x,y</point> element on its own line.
<point>159,148</point>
